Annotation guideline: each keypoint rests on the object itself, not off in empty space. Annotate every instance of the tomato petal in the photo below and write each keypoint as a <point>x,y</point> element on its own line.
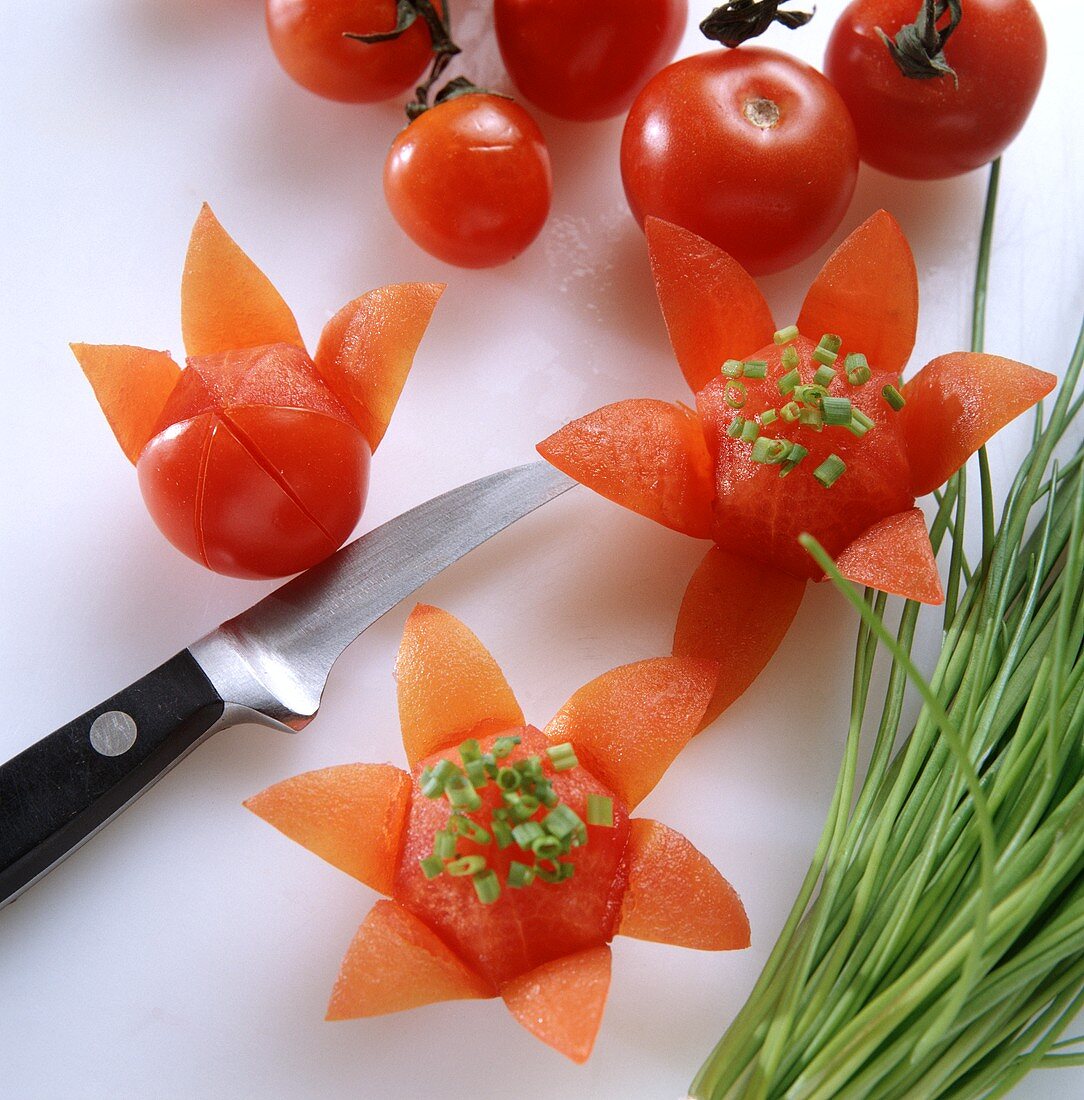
<point>735,611</point>
<point>956,403</point>
<point>629,724</point>
<point>645,455</point>
<point>867,293</point>
<point>352,816</point>
<point>132,386</point>
<point>366,350</point>
<point>448,684</point>
<point>396,962</point>
<point>676,896</point>
<point>561,1002</point>
<point>227,302</point>
<point>895,556</point>
<point>712,308</point>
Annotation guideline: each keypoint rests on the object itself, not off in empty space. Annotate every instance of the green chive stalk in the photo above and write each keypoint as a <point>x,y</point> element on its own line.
<point>936,947</point>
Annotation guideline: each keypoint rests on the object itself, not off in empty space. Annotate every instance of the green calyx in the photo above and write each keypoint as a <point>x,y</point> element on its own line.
<point>740,20</point>
<point>919,47</point>
<point>530,815</point>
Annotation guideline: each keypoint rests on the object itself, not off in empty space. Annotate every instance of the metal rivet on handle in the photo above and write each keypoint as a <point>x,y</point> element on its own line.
<point>113,733</point>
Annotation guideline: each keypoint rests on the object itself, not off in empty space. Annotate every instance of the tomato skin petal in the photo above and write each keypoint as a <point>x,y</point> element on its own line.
<point>307,37</point>
<point>956,403</point>
<point>469,181</point>
<point>712,308</point>
<point>934,129</point>
<point>768,196</point>
<point>867,293</point>
<point>895,556</point>
<point>584,62</point>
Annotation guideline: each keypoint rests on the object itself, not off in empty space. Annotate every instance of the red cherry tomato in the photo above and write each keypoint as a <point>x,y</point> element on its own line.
<point>307,37</point>
<point>257,469</point>
<point>469,180</point>
<point>931,129</point>
<point>749,148</point>
<point>584,61</point>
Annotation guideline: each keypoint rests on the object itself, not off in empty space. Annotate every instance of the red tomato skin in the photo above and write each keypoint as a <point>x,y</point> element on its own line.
<point>469,180</point>
<point>586,61</point>
<point>524,928</point>
<point>768,194</point>
<point>930,129</point>
<point>307,37</point>
<point>255,469</point>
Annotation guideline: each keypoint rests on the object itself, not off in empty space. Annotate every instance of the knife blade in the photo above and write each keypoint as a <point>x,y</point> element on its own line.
<point>268,665</point>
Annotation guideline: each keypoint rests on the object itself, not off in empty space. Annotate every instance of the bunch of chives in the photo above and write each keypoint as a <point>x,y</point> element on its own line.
<point>936,947</point>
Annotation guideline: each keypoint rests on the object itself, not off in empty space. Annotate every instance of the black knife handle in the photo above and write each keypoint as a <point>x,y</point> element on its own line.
<point>57,793</point>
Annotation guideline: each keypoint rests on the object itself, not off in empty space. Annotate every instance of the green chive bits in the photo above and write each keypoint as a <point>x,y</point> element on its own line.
<point>789,380</point>
<point>562,757</point>
<point>432,866</point>
<point>735,427</point>
<point>486,886</point>
<point>785,335</point>
<point>600,810</point>
<point>836,410</point>
<point>768,416</point>
<point>520,874</point>
<point>732,368</point>
<point>824,376</point>
<point>795,455</point>
<point>893,397</point>
<point>790,411</point>
<point>830,470</point>
<point>750,430</point>
<point>756,368</point>
<point>735,393</point>
<point>466,865</point>
<point>790,358</point>
<point>858,372</point>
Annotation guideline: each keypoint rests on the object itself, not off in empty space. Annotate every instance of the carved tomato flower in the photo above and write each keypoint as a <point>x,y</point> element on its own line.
<point>254,460</point>
<point>508,852</point>
<point>804,429</point>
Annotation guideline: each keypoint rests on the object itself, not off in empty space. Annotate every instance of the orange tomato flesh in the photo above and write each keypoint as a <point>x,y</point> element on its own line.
<point>529,926</point>
<point>895,556</point>
<point>760,514</point>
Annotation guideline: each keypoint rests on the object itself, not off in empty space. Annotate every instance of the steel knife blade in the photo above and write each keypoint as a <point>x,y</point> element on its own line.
<point>267,665</point>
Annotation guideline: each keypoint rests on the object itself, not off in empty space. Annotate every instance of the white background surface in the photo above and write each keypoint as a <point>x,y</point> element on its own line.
<point>188,951</point>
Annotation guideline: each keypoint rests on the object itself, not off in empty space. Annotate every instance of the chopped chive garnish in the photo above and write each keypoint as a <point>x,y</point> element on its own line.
<point>768,416</point>
<point>545,794</point>
<point>547,847</point>
<point>829,471</point>
<point>432,866</point>
<point>750,430</point>
<point>812,418</point>
<point>443,770</point>
<point>444,845</point>
<point>530,768</point>
<point>824,376</point>
<point>508,779</point>
<point>476,773</point>
<point>837,411</point>
<point>486,887</point>
<point>862,419</point>
<point>732,368</point>
<point>735,428</point>
<point>558,872</point>
<point>824,356</point>
<point>562,821</point>
<point>461,794</point>
<point>430,785</point>
<point>789,381</point>
<point>734,393</point>
<point>790,357</point>
<point>756,368</point>
<point>810,395</point>
<point>790,411</point>
<point>785,335</point>
<point>796,454</point>
<point>465,865</point>
<point>770,450</point>
<point>860,423</point>
<point>562,757</point>
<point>502,834</point>
<point>520,874</point>
<point>858,372</point>
<point>893,397</point>
<point>830,342</point>
<point>600,810</point>
<point>521,806</point>
<point>527,833</point>
<point>503,746</point>
<point>470,750</point>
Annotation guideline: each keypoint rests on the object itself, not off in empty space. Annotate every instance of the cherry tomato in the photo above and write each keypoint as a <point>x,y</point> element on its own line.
<point>584,61</point>
<point>256,469</point>
<point>469,180</point>
<point>932,129</point>
<point>307,37</point>
<point>749,148</point>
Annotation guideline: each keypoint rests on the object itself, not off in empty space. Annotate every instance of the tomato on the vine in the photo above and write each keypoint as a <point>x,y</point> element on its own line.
<point>308,39</point>
<point>585,61</point>
<point>469,180</point>
<point>938,127</point>
<point>749,148</point>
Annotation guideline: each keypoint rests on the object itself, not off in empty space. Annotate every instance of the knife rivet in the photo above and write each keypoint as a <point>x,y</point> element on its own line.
<point>113,733</point>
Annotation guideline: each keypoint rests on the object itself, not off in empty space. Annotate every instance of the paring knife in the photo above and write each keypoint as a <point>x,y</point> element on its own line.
<point>268,665</point>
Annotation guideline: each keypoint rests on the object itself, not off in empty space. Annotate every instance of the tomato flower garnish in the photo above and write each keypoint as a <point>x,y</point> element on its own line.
<point>254,460</point>
<point>803,429</point>
<point>507,852</point>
